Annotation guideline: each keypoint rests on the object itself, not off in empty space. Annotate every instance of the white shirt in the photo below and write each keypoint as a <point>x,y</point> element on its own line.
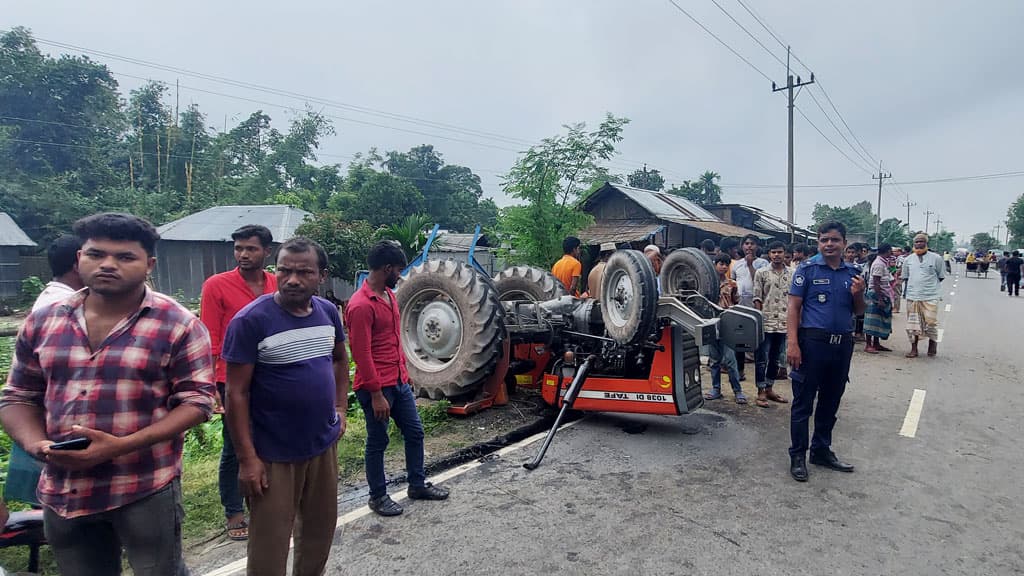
<point>745,280</point>
<point>54,292</point>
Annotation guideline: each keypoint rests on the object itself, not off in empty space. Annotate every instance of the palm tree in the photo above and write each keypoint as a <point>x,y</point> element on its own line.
<point>710,191</point>
<point>409,233</point>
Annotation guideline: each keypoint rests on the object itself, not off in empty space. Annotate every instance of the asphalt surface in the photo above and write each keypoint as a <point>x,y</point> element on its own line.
<point>710,493</point>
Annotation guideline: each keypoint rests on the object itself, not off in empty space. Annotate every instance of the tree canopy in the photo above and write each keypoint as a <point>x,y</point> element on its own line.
<point>858,218</point>
<point>646,179</point>
<point>983,241</point>
<point>704,191</point>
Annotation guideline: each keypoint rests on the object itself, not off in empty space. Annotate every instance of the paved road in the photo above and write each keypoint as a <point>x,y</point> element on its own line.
<point>710,493</point>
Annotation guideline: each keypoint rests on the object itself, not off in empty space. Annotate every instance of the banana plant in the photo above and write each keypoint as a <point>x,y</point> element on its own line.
<point>409,233</point>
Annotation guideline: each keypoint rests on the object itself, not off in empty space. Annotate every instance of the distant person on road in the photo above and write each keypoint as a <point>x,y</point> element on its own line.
<point>63,258</point>
<point>1001,264</point>
<point>223,295</point>
<point>596,275</point>
<point>897,281</point>
<point>771,297</point>
<point>924,271</point>
<point>129,370</point>
<point>1013,274</point>
<point>721,355</point>
<point>948,258</point>
<point>382,381</point>
<point>879,298</point>
<point>569,269</point>
<point>287,395</point>
<point>824,297</point>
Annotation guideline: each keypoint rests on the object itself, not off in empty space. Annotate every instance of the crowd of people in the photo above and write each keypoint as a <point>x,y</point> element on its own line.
<point>817,300</point>
<point>108,374</point>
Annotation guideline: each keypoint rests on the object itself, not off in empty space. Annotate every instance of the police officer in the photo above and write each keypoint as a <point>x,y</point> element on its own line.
<point>825,296</point>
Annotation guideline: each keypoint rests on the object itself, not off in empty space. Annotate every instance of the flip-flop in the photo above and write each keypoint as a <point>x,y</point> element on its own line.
<point>238,531</point>
<point>760,402</point>
<point>716,395</point>
<point>778,399</point>
<point>910,355</point>
<point>883,349</point>
<point>741,399</point>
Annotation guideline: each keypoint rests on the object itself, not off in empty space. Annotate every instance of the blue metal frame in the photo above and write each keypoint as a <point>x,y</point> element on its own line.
<point>424,256</point>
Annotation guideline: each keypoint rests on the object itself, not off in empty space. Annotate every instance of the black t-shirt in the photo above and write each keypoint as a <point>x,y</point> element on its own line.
<point>1013,266</point>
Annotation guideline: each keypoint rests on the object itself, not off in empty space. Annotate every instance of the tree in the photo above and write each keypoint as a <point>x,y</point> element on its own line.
<point>704,191</point>
<point>646,179</point>
<point>941,242</point>
<point>409,233</point>
<point>893,232</point>
<point>983,242</point>
<point>346,242</point>
<point>859,218</point>
<point>451,193</point>
<point>550,178</point>
<point>1015,220</point>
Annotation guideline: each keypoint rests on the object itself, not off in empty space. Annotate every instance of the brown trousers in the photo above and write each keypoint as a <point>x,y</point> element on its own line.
<point>304,496</point>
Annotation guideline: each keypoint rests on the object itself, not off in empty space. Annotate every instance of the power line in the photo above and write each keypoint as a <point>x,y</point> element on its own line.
<point>720,41</point>
<point>838,149</point>
<point>838,131</point>
<point>742,27</point>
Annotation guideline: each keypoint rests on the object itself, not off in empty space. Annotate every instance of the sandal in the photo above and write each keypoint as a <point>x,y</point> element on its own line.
<point>385,506</point>
<point>881,348</point>
<point>776,397</point>
<point>760,402</point>
<point>238,531</point>
<point>713,395</point>
<point>741,398</point>
<point>910,355</point>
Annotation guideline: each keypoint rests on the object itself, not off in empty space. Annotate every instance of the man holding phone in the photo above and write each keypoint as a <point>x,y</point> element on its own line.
<point>382,381</point>
<point>117,373</point>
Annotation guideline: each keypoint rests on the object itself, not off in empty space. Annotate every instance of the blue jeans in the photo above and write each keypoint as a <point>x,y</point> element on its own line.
<point>230,491</point>
<point>403,412</point>
<point>722,355</point>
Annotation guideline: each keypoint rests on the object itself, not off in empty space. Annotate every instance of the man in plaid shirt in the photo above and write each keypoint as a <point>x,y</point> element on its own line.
<point>129,370</point>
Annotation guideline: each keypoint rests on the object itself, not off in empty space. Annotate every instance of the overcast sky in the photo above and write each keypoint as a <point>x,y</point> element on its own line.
<point>933,89</point>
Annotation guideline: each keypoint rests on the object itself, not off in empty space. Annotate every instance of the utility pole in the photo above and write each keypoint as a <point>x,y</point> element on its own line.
<point>999,227</point>
<point>908,204</point>
<point>790,85</point>
<point>938,223</point>
<point>927,215</point>
<point>878,207</point>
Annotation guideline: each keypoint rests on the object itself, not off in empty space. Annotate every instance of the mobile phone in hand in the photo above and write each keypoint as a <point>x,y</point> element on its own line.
<point>73,444</point>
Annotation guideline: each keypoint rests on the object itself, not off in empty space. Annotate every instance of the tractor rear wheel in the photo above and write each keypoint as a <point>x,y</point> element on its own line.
<point>452,328</point>
<point>528,283</point>
<point>629,297</point>
<point>689,269</point>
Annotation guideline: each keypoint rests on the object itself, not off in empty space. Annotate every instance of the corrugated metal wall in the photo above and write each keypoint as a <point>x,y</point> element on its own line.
<point>184,266</point>
<point>10,273</point>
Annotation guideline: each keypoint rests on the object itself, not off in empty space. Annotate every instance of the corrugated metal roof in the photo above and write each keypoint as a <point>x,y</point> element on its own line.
<point>718,227</point>
<point>664,205</point>
<point>216,224</point>
<point>620,231</point>
<point>766,220</point>
<point>11,234</point>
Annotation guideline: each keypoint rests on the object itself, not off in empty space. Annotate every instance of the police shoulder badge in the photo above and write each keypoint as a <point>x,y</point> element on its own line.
<point>798,280</point>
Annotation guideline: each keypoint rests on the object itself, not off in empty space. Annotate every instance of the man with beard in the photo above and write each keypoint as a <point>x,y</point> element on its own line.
<point>382,381</point>
<point>287,396</point>
<point>224,295</point>
<point>123,372</point>
<point>924,271</point>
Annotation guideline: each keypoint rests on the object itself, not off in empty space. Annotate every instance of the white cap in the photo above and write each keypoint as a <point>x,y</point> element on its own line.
<point>607,246</point>
<point>652,248</point>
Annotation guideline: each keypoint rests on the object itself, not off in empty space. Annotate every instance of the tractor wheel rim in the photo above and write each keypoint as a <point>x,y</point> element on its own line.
<point>432,329</point>
<point>622,299</point>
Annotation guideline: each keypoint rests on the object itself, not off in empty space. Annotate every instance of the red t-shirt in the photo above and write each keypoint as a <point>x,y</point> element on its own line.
<point>373,336</point>
<point>223,296</point>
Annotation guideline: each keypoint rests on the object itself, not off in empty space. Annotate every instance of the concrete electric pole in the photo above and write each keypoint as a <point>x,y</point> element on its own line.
<point>878,207</point>
<point>927,215</point>
<point>908,205</point>
<point>790,85</point>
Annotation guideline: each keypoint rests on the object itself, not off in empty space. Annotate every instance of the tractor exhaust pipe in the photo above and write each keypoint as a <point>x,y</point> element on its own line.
<point>570,397</point>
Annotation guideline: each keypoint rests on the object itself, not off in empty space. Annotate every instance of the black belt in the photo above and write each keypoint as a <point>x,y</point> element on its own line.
<point>819,335</point>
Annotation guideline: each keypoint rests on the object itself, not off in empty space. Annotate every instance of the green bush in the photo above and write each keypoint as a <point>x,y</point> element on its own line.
<point>31,287</point>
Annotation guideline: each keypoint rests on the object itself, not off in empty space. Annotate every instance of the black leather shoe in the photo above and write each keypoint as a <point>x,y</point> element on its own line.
<point>798,468</point>
<point>827,458</point>
<point>427,492</point>
<point>385,506</point>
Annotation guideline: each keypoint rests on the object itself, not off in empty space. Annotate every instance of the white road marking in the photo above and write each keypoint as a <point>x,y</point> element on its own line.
<point>949,307</point>
<point>240,564</point>
<point>909,429</point>
<point>941,332</point>
<point>952,293</point>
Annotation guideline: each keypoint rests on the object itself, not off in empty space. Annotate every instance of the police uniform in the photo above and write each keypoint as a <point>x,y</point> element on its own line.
<point>825,338</point>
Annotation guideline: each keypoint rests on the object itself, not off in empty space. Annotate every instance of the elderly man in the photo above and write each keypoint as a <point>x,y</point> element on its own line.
<point>924,271</point>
